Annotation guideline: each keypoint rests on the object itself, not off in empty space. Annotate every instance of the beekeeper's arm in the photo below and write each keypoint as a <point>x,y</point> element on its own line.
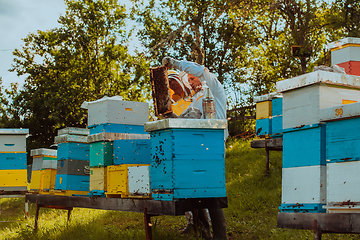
<point>204,75</point>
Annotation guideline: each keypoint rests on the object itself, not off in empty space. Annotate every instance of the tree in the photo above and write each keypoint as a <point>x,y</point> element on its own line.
<point>343,19</point>
<point>84,59</point>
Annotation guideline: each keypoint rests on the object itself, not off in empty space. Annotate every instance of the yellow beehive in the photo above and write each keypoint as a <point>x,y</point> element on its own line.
<point>68,192</point>
<point>98,179</point>
<point>35,184</point>
<point>48,177</point>
<point>117,180</point>
<point>263,109</point>
<point>13,178</point>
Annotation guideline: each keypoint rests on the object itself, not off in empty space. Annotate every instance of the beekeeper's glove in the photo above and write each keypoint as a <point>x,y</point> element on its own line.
<point>170,62</point>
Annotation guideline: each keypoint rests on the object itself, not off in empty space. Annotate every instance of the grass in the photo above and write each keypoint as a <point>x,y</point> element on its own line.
<point>253,199</point>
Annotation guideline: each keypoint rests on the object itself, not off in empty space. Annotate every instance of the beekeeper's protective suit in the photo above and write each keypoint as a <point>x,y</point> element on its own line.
<point>209,79</point>
<point>204,76</point>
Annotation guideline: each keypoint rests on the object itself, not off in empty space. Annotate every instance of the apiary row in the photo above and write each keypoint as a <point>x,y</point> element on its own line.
<point>118,156</point>
<point>321,114</point>
<point>13,159</point>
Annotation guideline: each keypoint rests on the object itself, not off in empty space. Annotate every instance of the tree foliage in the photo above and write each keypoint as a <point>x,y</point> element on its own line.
<point>84,59</point>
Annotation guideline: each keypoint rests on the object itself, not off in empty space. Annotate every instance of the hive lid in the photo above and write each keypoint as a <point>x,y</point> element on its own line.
<point>43,152</point>
<point>342,42</point>
<point>74,131</point>
<point>186,123</point>
<point>105,136</point>
<point>267,97</point>
<point>13,131</point>
<point>340,112</point>
<point>85,104</point>
<point>318,77</point>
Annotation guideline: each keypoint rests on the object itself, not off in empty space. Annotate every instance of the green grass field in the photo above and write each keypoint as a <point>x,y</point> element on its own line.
<point>253,199</point>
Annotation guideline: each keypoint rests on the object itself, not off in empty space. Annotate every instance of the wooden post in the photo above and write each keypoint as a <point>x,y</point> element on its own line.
<point>26,209</point>
<point>317,230</point>
<point>267,153</point>
<point>69,214</point>
<point>36,216</point>
<point>147,222</point>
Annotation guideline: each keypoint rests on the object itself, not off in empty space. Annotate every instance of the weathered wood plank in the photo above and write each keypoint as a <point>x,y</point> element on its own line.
<point>328,222</point>
<point>177,207</point>
<point>271,144</point>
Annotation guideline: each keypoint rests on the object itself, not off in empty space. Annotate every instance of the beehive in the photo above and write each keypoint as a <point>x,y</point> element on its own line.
<point>304,96</point>
<point>67,182</point>
<point>73,167</point>
<point>73,162</point>
<point>98,176</point>
<point>101,154</point>
<point>48,177</point>
<point>305,146</point>
<point>303,189</point>
<point>73,150</point>
<point>116,128</point>
<point>13,159</point>
<point>13,180</point>
<point>342,157</point>
<point>187,158</point>
<point>115,110</point>
<point>346,53</point>
<point>128,180</point>
<point>342,181</point>
<point>136,151</point>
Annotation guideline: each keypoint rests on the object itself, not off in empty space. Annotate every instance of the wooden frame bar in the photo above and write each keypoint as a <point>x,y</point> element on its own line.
<point>148,207</point>
<point>321,222</point>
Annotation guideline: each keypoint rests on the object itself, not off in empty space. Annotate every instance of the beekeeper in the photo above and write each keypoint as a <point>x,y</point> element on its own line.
<point>190,83</point>
<point>189,86</point>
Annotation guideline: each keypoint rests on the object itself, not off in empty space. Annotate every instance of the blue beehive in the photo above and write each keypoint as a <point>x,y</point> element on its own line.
<point>136,151</point>
<point>187,158</point>
<point>14,160</point>
<point>342,140</point>
<point>69,153</point>
<point>73,150</point>
<point>116,128</point>
<point>276,126</point>
<point>263,127</point>
<point>67,182</point>
<point>276,108</point>
<point>304,146</point>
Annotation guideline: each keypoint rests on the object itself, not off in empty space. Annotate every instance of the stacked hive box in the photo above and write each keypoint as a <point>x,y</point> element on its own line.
<point>72,176</point>
<point>346,54</point>
<point>342,157</point>
<point>13,159</point>
<point>304,137</point>
<point>119,148</point>
<point>187,158</point>
<point>269,115</point>
<point>43,170</point>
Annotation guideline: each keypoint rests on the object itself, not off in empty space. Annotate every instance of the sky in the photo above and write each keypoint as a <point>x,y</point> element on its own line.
<point>18,18</point>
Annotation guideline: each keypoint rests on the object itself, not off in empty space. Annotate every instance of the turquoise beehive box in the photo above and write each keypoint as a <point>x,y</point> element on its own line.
<point>187,158</point>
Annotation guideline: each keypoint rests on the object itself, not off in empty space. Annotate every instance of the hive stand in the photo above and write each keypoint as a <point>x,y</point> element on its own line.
<point>320,222</point>
<point>270,144</point>
<point>150,208</point>
<point>15,194</point>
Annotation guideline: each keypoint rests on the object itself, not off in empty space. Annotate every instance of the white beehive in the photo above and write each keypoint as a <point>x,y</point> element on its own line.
<point>305,95</point>
<point>343,180</point>
<point>304,185</point>
<point>13,140</point>
<point>344,50</point>
<point>115,110</point>
<point>139,181</point>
